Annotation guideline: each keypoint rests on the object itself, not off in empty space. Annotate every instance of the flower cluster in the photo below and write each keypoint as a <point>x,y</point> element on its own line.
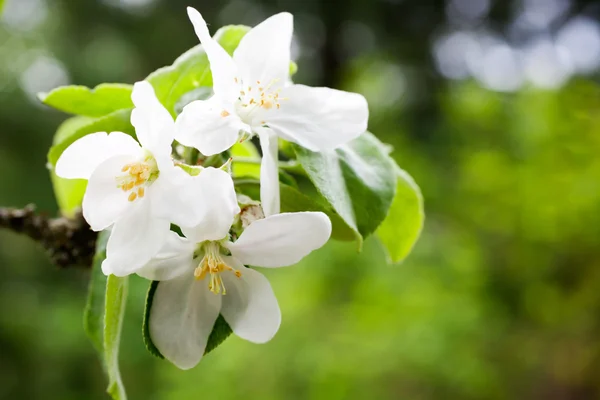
<point>138,190</point>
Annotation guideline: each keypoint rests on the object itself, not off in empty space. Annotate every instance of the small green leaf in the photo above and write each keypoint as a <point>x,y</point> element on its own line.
<point>294,200</point>
<point>93,315</point>
<point>68,192</point>
<point>146,324</point>
<point>191,70</point>
<point>402,227</point>
<point>1,6</point>
<point>117,121</point>
<point>357,179</point>
<point>220,332</point>
<point>104,99</point>
<point>116,298</point>
<point>246,160</point>
<point>103,317</point>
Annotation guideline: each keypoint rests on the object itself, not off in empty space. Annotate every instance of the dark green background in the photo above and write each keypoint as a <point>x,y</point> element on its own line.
<point>500,299</point>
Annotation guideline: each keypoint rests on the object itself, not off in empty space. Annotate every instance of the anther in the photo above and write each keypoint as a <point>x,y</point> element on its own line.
<point>140,192</point>
<point>132,196</point>
<point>224,113</point>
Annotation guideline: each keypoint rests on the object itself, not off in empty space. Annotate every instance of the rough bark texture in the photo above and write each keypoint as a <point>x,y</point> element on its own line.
<point>69,242</point>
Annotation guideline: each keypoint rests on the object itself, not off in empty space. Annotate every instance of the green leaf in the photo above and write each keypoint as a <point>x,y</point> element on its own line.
<point>116,121</point>
<point>104,99</point>
<point>294,200</point>
<point>1,6</point>
<point>93,315</point>
<point>103,317</point>
<point>402,227</point>
<point>357,179</point>
<point>191,70</point>
<point>146,324</point>
<point>68,192</point>
<point>245,156</point>
<point>219,333</point>
<point>116,298</point>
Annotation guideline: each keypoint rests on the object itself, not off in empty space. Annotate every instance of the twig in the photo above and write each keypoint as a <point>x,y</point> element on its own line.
<point>68,241</point>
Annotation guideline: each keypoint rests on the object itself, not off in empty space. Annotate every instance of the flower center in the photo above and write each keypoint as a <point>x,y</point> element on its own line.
<point>212,263</point>
<point>255,99</point>
<point>137,176</point>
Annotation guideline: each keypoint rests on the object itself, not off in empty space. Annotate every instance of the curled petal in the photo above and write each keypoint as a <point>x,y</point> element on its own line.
<point>319,118</point>
<point>264,53</point>
<point>82,157</point>
<point>282,239</point>
<point>182,316</point>
<point>153,124</point>
<point>216,206</point>
<point>135,239</point>
<point>174,259</point>
<point>269,173</point>
<point>210,126</point>
<point>250,306</point>
<point>222,67</point>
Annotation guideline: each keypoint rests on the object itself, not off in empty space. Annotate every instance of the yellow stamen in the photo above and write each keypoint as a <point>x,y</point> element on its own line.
<point>141,192</point>
<point>224,113</point>
<point>132,196</point>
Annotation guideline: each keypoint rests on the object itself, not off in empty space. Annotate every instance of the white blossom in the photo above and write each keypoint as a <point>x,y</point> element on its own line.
<point>203,275</point>
<point>253,94</point>
<point>133,188</point>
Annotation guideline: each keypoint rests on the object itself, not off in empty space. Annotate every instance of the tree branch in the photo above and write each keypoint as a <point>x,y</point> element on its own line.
<point>68,241</point>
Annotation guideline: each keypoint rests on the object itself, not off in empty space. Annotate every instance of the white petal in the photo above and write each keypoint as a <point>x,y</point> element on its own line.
<point>153,124</point>
<point>281,239</point>
<point>216,206</point>
<point>174,196</point>
<point>250,306</point>
<point>135,239</point>
<point>182,316</point>
<point>222,67</point>
<point>82,157</point>
<point>269,173</point>
<point>319,118</point>
<point>264,53</point>
<point>174,259</point>
<point>210,126</point>
<point>104,202</point>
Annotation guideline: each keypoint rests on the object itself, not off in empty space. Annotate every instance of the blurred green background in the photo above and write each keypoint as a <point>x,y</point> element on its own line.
<point>492,106</point>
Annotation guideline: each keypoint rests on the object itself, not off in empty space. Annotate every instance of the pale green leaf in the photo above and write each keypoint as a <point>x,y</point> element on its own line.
<point>116,299</point>
<point>246,160</point>
<point>104,99</point>
<point>68,192</point>
<point>402,227</point>
<point>93,315</point>
<point>357,179</point>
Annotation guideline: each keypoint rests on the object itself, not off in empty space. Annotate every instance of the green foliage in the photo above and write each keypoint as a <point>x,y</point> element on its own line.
<point>146,323</point>
<point>93,315</point>
<point>220,331</point>
<point>97,102</point>
<point>114,312</point>
<point>294,200</point>
<point>191,70</point>
<point>402,226</point>
<point>103,317</point>
<point>357,179</point>
<point>68,192</point>
<point>117,121</point>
